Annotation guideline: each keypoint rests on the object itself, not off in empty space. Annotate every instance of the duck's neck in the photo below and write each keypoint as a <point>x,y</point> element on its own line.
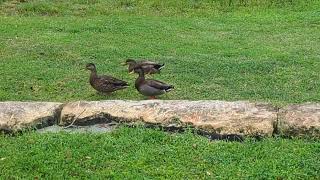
<point>93,75</point>
<point>141,75</point>
<point>131,66</point>
<point>140,79</point>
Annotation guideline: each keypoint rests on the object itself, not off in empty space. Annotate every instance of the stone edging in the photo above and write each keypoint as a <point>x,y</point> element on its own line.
<point>220,117</point>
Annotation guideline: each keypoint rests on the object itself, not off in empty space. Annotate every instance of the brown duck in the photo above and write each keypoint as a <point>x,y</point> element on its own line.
<point>103,83</point>
<point>150,87</point>
<point>148,67</point>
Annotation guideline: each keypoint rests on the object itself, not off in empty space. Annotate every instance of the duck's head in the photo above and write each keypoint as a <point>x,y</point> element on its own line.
<point>128,62</point>
<point>139,70</point>
<point>91,67</point>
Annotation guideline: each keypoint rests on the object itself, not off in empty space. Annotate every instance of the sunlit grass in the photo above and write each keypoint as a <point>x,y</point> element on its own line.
<point>145,153</point>
<point>249,52</point>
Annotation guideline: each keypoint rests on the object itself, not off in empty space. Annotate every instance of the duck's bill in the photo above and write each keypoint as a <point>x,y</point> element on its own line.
<point>123,63</point>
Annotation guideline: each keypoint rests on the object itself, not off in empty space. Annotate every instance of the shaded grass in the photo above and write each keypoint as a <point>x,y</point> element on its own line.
<point>268,55</point>
<point>145,153</point>
<point>146,7</point>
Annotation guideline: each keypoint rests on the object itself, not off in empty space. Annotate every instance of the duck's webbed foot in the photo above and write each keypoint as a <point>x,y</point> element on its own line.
<point>104,93</point>
<point>152,97</point>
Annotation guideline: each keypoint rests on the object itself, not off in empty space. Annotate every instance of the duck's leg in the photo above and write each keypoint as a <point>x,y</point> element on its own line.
<point>104,93</point>
<point>152,97</point>
<point>108,93</point>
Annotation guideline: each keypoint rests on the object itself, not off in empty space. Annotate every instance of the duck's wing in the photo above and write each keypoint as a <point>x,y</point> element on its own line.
<point>147,62</point>
<point>149,65</point>
<point>158,84</point>
<point>144,62</point>
<point>112,80</point>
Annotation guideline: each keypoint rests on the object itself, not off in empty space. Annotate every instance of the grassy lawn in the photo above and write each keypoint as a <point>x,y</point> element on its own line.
<point>255,50</point>
<point>133,153</point>
<point>258,50</point>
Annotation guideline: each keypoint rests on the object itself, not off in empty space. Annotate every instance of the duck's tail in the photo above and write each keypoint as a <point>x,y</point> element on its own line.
<point>122,84</point>
<point>125,84</point>
<point>159,66</point>
<point>169,88</point>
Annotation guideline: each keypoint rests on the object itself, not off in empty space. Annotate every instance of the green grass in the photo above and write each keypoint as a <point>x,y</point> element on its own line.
<point>133,153</point>
<point>146,7</point>
<point>256,50</point>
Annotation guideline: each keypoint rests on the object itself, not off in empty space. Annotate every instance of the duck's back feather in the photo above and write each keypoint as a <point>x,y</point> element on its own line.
<point>107,83</point>
<point>158,84</point>
<point>111,80</point>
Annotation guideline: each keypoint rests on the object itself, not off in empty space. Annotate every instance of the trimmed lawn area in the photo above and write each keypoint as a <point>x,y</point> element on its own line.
<point>133,153</point>
<point>258,51</point>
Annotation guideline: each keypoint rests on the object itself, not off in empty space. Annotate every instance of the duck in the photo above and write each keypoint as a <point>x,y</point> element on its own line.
<point>149,67</point>
<point>150,87</point>
<point>103,83</point>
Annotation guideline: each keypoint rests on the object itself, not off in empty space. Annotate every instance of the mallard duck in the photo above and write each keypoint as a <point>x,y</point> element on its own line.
<point>103,83</point>
<point>150,87</point>
<point>149,67</point>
